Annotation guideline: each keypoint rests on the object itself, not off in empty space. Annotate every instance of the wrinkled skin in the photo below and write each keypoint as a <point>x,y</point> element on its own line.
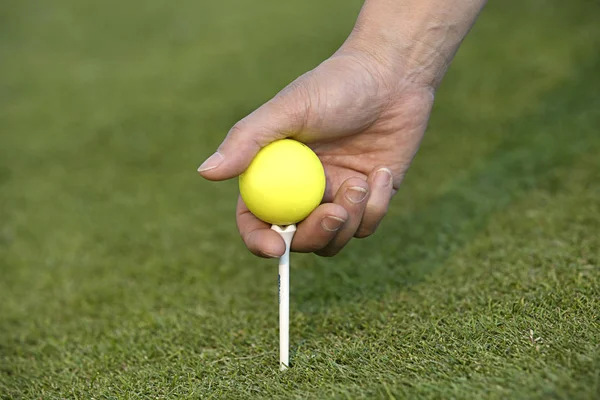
<point>360,116</point>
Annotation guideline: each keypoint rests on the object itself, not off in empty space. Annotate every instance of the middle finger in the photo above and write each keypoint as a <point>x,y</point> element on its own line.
<point>352,195</point>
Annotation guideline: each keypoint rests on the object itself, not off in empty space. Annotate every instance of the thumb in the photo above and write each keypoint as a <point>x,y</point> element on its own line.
<point>280,117</point>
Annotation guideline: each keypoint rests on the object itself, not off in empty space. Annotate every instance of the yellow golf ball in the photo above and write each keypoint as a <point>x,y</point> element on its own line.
<point>284,183</point>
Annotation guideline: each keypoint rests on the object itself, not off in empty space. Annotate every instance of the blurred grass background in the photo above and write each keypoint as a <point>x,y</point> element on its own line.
<point>122,274</point>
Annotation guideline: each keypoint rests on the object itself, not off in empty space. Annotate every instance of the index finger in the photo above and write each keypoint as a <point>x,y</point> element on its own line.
<point>258,236</point>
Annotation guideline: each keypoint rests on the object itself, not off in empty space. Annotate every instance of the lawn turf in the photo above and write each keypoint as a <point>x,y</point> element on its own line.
<point>122,274</point>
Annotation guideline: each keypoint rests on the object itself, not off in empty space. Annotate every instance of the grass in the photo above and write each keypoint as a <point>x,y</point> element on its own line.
<point>122,272</point>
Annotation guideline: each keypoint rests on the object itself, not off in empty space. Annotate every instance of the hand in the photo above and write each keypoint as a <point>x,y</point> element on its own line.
<point>363,119</point>
<point>363,111</point>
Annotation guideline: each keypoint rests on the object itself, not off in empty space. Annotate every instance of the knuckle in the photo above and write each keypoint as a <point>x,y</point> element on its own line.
<point>376,211</point>
<point>244,133</point>
<point>247,239</point>
<point>238,128</point>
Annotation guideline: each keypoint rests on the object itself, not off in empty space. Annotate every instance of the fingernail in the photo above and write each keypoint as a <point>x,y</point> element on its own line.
<point>356,194</point>
<point>264,253</point>
<point>211,162</point>
<point>383,177</point>
<point>331,223</point>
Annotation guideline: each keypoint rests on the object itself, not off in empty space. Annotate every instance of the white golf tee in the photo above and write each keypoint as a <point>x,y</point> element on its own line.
<point>287,233</point>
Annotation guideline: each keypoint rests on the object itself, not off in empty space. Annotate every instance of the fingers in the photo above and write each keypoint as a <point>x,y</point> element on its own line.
<point>257,235</point>
<point>381,191</point>
<point>276,119</point>
<point>319,228</point>
<point>357,209</point>
<point>352,195</point>
<point>312,234</point>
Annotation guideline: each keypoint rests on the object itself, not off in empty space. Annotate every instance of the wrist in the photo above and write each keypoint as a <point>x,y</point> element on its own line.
<point>412,61</point>
<point>417,39</point>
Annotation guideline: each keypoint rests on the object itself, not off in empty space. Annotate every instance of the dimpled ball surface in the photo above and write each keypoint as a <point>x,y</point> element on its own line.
<point>284,183</point>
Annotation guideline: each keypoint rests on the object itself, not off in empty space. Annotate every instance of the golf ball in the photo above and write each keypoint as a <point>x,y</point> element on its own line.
<point>284,183</point>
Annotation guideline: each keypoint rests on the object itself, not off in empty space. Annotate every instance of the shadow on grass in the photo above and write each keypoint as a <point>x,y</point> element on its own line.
<point>415,245</point>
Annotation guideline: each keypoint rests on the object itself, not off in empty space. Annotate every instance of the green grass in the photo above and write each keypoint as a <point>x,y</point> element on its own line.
<point>122,274</point>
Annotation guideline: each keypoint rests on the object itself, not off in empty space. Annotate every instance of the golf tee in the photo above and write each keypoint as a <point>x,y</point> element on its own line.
<point>287,234</point>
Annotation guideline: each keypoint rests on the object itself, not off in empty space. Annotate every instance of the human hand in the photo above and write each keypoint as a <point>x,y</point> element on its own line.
<point>363,121</point>
<point>363,111</point>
